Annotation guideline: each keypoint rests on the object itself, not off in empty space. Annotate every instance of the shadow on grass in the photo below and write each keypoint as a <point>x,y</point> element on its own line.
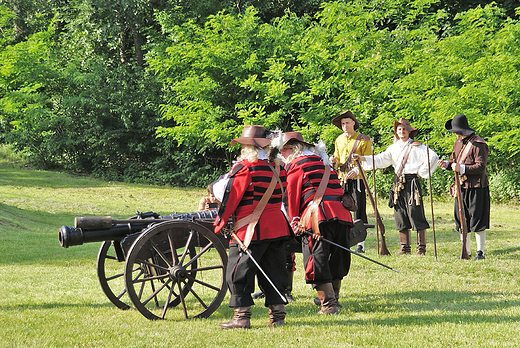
<point>505,251</point>
<point>414,308</point>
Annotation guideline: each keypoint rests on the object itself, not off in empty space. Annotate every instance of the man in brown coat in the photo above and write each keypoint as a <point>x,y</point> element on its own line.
<point>469,158</point>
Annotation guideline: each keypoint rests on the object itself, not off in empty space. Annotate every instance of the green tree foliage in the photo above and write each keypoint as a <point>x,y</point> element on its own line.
<point>154,90</point>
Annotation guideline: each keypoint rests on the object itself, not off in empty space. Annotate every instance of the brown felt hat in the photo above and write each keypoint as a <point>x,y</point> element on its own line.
<point>406,124</point>
<point>459,125</point>
<point>293,136</point>
<point>252,135</point>
<point>345,114</point>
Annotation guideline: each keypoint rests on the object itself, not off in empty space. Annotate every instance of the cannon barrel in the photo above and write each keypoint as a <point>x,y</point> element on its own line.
<point>103,228</point>
<point>70,236</point>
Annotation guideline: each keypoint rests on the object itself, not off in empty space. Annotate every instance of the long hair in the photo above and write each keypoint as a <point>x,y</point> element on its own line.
<point>298,148</point>
<point>248,152</point>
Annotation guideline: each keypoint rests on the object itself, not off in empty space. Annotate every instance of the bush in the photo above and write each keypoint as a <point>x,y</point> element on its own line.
<point>504,187</point>
<point>10,156</point>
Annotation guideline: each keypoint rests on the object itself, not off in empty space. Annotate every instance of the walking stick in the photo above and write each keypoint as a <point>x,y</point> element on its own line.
<point>350,251</point>
<point>246,250</point>
<point>431,197</point>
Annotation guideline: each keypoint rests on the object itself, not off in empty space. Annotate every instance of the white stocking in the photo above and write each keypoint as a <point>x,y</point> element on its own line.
<point>481,240</point>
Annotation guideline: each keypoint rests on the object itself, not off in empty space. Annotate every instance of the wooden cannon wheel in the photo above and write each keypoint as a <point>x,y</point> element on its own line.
<point>175,270</point>
<point>110,272</point>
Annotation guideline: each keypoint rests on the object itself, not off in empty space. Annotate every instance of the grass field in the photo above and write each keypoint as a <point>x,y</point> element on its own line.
<point>50,296</point>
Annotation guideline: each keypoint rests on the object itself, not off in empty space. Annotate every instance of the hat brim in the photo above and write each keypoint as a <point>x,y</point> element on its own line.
<point>413,131</point>
<point>259,142</point>
<point>347,114</point>
<point>458,130</point>
<point>294,140</point>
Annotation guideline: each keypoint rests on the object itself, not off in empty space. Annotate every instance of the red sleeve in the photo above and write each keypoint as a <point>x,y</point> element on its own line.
<point>241,181</point>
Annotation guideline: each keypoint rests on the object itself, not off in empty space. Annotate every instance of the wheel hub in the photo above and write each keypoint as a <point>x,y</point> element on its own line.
<point>178,273</point>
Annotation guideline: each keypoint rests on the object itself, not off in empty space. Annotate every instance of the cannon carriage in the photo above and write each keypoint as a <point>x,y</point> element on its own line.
<point>168,267</point>
<point>174,267</point>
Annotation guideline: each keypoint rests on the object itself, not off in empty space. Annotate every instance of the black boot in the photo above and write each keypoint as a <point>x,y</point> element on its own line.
<point>288,290</point>
<point>336,285</point>
<point>240,319</point>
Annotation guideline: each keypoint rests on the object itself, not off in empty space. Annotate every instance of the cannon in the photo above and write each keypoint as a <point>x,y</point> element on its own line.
<point>174,266</point>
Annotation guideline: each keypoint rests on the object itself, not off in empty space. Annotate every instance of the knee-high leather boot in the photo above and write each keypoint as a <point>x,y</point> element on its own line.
<point>276,315</point>
<point>240,319</point>
<point>336,285</point>
<point>404,238</point>
<point>327,298</point>
<point>421,242</point>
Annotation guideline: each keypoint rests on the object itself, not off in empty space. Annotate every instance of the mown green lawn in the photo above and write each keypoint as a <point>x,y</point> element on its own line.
<point>50,296</point>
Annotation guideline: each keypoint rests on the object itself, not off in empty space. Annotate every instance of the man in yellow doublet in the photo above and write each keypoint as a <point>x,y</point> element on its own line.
<point>347,170</point>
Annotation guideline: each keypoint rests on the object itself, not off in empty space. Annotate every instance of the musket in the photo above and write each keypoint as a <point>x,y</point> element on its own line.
<point>379,222</point>
<point>431,197</point>
<point>462,218</point>
<point>375,195</point>
<point>246,250</point>
<point>350,251</point>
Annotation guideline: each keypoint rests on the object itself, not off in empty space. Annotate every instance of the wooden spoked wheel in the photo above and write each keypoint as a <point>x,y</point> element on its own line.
<point>181,270</point>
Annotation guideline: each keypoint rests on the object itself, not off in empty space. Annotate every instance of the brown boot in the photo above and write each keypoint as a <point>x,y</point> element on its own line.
<point>240,319</point>
<point>276,315</point>
<point>327,298</point>
<point>336,285</point>
<point>404,238</point>
<point>421,242</point>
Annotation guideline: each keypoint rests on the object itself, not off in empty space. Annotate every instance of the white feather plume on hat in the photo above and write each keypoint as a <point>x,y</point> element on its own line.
<point>321,150</point>
<point>277,139</point>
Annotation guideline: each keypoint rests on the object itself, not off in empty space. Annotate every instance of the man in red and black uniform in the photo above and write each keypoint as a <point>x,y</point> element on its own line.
<point>325,264</point>
<point>245,186</point>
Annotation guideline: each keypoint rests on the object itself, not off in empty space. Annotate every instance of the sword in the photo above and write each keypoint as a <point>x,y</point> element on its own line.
<point>246,250</point>
<point>350,251</point>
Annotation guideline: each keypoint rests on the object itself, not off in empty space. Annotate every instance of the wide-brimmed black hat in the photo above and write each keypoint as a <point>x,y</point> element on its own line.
<point>345,114</point>
<point>406,124</point>
<point>288,136</point>
<point>459,125</point>
<point>252,135</point>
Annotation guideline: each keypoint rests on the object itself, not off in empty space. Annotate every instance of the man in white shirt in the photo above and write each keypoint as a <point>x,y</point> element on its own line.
<point>407,201</point>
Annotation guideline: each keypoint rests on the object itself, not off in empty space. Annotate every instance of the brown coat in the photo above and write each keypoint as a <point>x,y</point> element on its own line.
<point>475,161</point>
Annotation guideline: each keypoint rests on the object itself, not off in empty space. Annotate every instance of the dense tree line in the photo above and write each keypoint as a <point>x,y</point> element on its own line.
<point>154,90</point>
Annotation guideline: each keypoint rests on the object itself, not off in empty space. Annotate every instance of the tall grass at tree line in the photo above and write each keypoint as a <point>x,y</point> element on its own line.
<point>51,297</point>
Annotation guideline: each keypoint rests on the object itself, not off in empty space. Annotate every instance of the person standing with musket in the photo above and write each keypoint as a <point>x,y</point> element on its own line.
<point>252,193</point>
<point>346,145</point>
<point>469,159</point>
<point>315,209</point>
<point>410,161</point>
